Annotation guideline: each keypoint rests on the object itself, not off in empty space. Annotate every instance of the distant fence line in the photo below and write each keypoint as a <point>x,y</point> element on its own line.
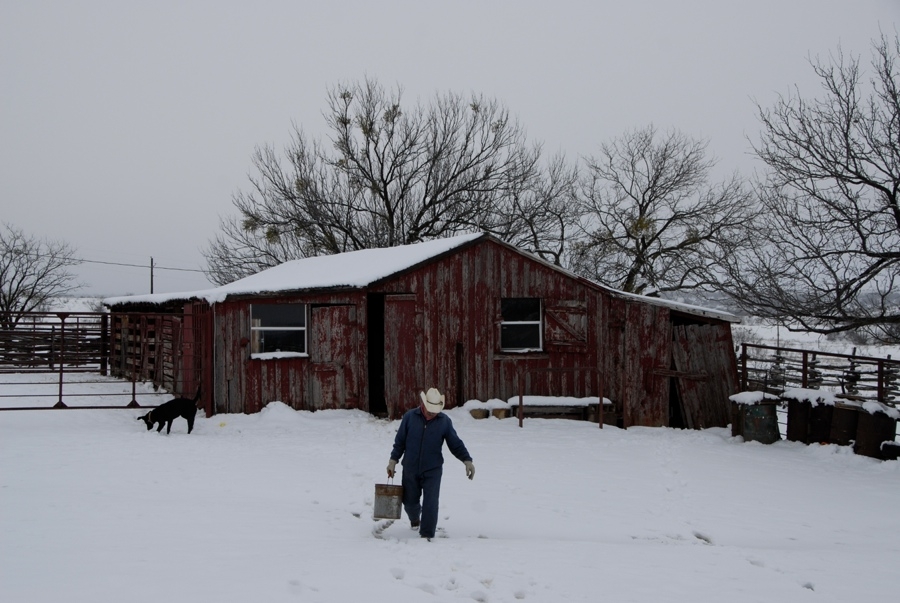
<point>138,347</point>
<point>41,342</point>
<point>149,347</point>
<point>856,378</point>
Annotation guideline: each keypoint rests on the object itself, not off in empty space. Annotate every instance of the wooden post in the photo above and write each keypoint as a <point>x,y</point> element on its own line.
<point>104,344</point>
<point>521,376</point>
<point>804,378</point>
<point>744,367</point>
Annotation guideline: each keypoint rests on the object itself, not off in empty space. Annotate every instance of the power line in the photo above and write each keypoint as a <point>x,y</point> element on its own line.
<point>154,266</point>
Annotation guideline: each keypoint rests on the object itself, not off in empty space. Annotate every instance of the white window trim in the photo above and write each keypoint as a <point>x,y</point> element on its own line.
<point>277,355</point>
<point>540,326</point>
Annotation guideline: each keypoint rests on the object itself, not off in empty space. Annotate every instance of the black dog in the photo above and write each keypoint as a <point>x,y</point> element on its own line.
<point>168,412</point>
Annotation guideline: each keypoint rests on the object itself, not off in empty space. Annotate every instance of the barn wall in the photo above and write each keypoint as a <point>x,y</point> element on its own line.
<point>458,302</point>
<point>332,376</point>
<point>442,328</point>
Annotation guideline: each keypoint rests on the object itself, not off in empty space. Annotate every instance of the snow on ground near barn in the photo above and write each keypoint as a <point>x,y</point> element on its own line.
<point>277,506</point>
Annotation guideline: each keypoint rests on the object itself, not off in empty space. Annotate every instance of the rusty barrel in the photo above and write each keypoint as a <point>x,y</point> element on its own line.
<point>388,500</point>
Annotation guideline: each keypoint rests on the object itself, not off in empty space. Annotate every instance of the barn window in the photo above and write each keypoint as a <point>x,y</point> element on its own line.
<point>277,329</point>
<point>520,330</point>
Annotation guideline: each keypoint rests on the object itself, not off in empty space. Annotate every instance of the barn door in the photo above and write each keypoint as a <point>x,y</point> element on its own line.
<point>197,360</point>
<point>333,357</point>
<point>402,354</point>
<point>706,374</point>
<point>647,342</point>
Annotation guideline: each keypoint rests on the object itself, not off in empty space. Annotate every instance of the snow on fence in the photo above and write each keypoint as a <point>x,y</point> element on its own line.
<point>821,397</point>
<point>774,370</point>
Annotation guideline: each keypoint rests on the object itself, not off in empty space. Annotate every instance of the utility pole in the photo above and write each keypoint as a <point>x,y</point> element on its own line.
<point>151,274</point>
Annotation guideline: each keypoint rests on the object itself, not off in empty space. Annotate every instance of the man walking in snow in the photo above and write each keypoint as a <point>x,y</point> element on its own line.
<point>419,441</point>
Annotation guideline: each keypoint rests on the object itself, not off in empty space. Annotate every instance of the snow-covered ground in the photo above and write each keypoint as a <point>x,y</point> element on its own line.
<point>277,506</point>
<point>41,390</point>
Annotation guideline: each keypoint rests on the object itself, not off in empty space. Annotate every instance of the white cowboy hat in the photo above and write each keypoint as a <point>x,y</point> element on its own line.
<point>433,400</point>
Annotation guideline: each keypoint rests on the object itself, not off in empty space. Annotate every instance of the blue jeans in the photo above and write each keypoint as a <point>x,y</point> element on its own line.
<point>427,483</point>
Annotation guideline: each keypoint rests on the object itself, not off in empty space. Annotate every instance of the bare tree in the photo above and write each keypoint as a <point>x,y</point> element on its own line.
<point>32,271</point>
<point>539,212</point>
<point>394,174</point>
<point>652,221</point>
<point>828,255</point>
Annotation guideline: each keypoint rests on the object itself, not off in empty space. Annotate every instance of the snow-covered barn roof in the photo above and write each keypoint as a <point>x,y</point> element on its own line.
<point>355,269</point>
<point>682,307</point>
<point>351,269</point>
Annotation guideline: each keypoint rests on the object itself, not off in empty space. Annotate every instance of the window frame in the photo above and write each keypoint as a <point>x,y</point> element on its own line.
<point>273,355</point>
<point>539,323</point>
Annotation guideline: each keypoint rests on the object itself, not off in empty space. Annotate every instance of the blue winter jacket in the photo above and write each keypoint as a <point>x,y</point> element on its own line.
<point>419,442</point>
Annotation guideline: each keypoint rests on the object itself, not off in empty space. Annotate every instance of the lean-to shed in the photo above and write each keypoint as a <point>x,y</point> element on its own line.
<point>472,315</point>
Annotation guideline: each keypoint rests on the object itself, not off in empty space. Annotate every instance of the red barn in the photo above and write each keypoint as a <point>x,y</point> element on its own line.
<point>471,315</point>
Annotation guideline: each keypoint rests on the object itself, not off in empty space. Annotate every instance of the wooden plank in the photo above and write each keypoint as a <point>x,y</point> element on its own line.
<point>333,360</point>
<point>566,322</point>
<point>705,348</point>
<point>402,355</point>
<point>646,348</point>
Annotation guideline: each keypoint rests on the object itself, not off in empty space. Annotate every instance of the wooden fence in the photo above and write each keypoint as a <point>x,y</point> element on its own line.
<point>161,349</point>
<point>42,341</point>
<point>859,378</point>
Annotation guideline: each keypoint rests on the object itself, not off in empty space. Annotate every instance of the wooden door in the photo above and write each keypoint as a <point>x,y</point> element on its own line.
<point>333,357</point>
<point>402,354</point>
<point>646,350</point>
<point>707,374</point>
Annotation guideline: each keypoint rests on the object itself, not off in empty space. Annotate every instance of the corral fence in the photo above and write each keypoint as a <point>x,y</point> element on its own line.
<point>157,349</point>
<point>856,378</point>
<point>40,342</point>
<point>863,392</point>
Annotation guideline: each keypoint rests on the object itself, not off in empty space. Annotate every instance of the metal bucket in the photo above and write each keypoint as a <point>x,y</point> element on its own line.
<point>388,500</point>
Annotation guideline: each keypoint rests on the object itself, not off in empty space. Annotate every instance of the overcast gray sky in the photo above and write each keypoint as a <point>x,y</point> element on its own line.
<point>126,127</point>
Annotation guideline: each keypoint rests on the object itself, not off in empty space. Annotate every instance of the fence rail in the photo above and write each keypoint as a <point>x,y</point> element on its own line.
<point>58,393</point>
<point>147,348</point>
<point>40,342</point>
<point>775,369</point>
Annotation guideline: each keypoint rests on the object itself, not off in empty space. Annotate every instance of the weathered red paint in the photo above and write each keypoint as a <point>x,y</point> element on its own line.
<point>647,348</point>
<point>441,328</point>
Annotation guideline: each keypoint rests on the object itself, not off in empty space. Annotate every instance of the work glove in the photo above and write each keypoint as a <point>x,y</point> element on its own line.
<point>390,468</point>
<point>470,469</point>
